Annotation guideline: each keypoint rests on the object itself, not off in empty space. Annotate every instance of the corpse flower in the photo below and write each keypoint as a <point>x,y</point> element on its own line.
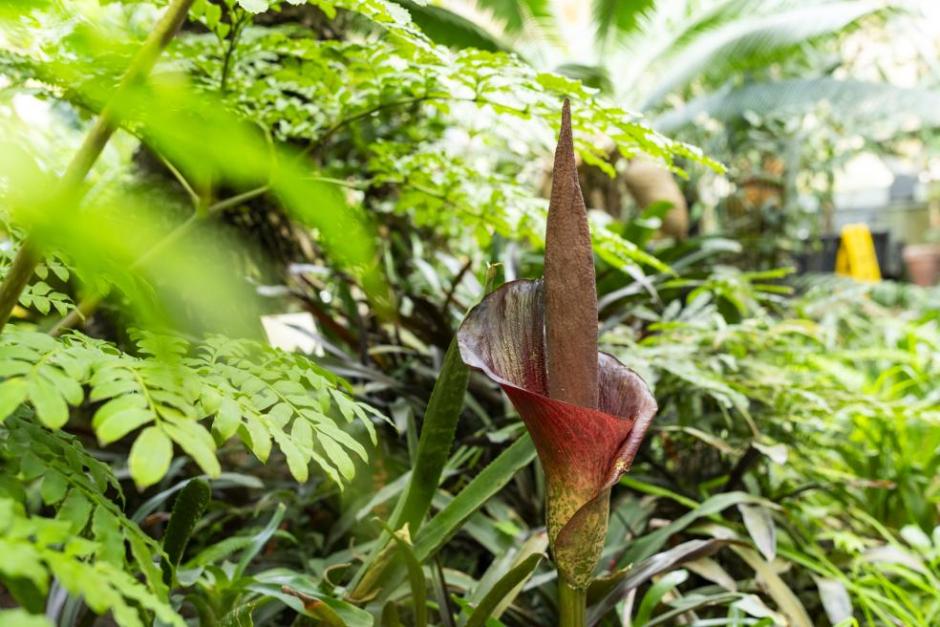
<point>587,413</point>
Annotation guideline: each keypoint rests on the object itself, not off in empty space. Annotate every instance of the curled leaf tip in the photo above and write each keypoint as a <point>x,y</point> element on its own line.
<point>570,292</point>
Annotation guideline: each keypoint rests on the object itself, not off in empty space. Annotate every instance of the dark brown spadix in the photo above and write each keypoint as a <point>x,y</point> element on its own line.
<point>570,291</point>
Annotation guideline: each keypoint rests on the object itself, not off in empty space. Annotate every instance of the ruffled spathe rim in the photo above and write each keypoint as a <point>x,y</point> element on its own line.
<point>584,450</point>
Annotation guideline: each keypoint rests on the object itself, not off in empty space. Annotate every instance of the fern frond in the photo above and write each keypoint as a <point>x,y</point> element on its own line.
<point>86,546</point>
<point>233,387</point>
<point>79,485</point>
<point>47,372</point>
<point>267,394</point>
<point>38,295</point>
<point>37,549</point>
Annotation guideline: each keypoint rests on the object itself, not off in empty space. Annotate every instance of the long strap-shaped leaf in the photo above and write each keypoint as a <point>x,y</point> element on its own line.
<point>434,445</point>
<point>505,586</point>
<point>649,544</point>
<point>258,541</point>
<point>436,441</point>
<point>448,521</point>
<point>419,586</point>
<point>606,592</point>
<point>382,574</point>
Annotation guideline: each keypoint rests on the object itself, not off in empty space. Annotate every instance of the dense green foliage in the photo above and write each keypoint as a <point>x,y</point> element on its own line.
<point>330,157</point>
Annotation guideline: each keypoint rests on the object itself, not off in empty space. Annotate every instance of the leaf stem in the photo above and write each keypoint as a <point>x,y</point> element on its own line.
<point>27,257</point>
<point>319,141</point>
<point>572,605</point>
<point>91,302</point>
<point>238,24</point>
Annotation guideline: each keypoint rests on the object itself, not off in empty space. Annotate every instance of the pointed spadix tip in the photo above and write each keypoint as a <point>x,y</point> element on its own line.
<point>565,133</point>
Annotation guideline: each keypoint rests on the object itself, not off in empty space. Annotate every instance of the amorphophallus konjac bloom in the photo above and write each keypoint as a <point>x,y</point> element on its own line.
<point>587,413</point>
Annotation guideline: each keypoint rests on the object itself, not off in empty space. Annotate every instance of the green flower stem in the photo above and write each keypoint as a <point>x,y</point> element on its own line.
<point>572,605</point>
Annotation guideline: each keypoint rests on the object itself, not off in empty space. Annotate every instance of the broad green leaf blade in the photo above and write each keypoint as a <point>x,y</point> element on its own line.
<point>117,406</point>
<point>256,437</point>
<point>50,406</point>
<point>118,424</point>
<point>197,442</point>
<point>339,457</point>
<point>53,488</point>
<point>297,461</point>
<point>76,509</point>
<point>227,419</point>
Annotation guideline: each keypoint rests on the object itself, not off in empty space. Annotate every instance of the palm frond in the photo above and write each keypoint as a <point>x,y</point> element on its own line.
<point>887,107</point>
<point>451,29</point>
<point>622,16</point>
<point>595,76</point>
<point>516,14</point>
<point>753,41</point>
<point>667,28</point>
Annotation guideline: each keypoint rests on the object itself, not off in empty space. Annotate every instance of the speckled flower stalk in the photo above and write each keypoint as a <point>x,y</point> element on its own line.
<point>587,413</point>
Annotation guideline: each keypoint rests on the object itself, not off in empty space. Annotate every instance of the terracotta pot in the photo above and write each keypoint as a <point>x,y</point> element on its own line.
<point>923,263</point>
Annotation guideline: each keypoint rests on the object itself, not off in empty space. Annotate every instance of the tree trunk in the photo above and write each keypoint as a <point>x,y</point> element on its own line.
<point>648,183</point>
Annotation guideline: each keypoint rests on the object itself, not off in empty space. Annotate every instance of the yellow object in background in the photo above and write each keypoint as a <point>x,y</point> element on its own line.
<point>856,255</point>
